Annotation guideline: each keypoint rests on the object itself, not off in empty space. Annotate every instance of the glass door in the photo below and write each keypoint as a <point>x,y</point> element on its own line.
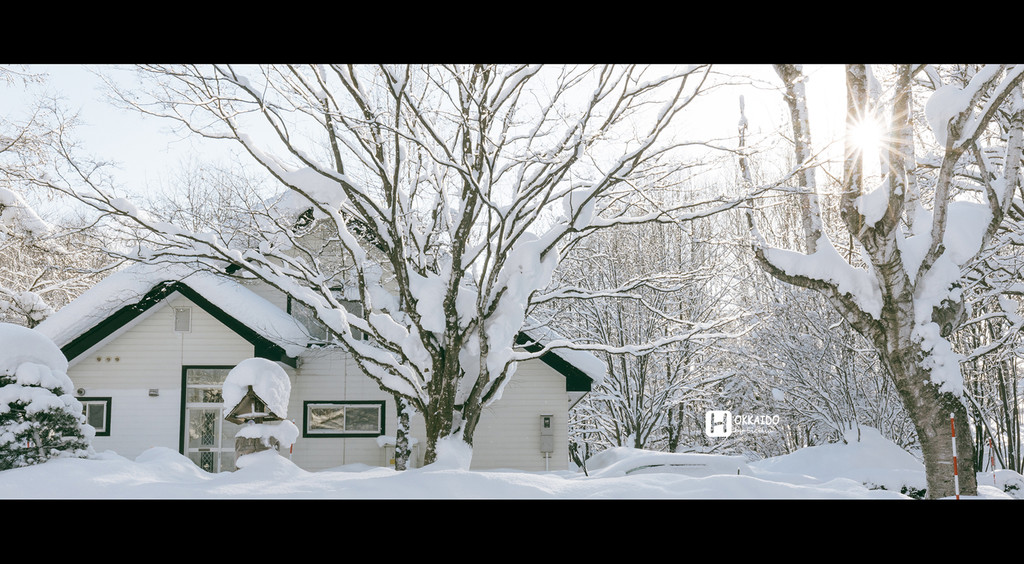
<point>209,439</point>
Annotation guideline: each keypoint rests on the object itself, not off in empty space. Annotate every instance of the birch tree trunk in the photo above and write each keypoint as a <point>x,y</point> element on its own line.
<point>906,299</point>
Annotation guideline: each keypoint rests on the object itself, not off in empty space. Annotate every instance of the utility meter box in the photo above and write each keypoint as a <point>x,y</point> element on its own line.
<point>547,433</point>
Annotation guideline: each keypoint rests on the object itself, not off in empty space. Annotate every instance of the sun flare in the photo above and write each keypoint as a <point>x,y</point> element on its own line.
<point>868,136</point>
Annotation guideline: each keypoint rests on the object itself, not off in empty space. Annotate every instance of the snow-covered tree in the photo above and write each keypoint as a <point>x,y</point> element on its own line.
<point>40,419</point>
<point>22,234</point>
<point>43,264</point>
<point>817,374</point>
<point>649,395</point>
<point>933,212</point>
<point>425,207</point>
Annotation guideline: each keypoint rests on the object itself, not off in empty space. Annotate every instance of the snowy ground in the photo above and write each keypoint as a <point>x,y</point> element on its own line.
<point>852,471</point>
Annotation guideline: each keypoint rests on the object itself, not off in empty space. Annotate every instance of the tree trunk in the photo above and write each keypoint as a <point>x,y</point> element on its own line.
<point>673,427</point>
<point>438,415</point>
<point>930,411</point>
<point>402,450</point>
<point>905,285</point>
<point>1011,429</point>
<point>436,425</point>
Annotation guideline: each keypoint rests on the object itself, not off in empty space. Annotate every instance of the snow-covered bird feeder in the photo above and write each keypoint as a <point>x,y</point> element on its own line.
<point>251,408</point>
<point>258,391</point>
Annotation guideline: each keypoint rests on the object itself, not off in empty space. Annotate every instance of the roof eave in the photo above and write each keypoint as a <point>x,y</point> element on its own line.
<point>575,379</point>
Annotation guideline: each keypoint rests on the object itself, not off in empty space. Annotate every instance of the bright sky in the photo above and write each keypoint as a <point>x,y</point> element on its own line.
<point>149,152</point>
<point>145,148</point>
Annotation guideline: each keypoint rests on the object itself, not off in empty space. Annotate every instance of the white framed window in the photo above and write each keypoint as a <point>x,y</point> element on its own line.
<point>343,418</point>
<point>206,437</point>
<point>97,414</point>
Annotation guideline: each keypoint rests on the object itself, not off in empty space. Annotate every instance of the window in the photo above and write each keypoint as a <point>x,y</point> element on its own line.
<point>305,316</point>
<point>207,439</point>
<point>97,414</point>
<point>343,418</point>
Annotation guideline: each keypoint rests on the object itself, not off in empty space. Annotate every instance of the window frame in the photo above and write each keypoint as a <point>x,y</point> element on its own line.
<point>106,403</point>
<point>221,449</point>
<point>313,434</point>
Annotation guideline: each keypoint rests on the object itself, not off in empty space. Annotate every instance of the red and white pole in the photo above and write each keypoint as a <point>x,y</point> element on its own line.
<point>956,477</point>
<point>992,460</point>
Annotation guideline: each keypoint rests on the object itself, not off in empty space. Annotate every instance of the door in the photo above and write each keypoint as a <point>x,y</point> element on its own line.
<point>208,440</point>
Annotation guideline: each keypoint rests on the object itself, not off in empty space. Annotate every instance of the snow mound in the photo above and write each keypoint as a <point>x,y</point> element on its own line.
<point>19,345</point>
<point>873,460</point>
<point>1005,481</point>
<point>452,454</point>
<point>623,461</point>
<point>168,464</point>
<point>266,465</point>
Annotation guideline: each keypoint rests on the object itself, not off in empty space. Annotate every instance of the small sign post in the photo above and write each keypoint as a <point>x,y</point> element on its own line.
<point>956,477</point>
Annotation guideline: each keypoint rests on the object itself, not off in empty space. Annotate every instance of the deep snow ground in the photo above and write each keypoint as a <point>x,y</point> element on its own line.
<point>870,469</point>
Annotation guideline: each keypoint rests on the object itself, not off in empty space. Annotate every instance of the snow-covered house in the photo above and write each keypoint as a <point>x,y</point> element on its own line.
<point>149,349</point>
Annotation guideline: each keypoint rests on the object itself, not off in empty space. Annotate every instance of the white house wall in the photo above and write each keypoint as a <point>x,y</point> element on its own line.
<point>330,375</point>
<point>508,435</point>
<point>150,357</point>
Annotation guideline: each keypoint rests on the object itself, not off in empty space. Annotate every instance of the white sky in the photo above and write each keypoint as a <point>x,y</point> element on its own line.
<point>148,151</point>
<point>145,148</point>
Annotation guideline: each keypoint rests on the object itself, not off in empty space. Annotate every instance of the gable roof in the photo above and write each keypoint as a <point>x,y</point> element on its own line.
<point>124,296</point>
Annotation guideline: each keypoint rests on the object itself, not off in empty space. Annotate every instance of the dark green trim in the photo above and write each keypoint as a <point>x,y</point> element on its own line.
<point>305,419</point>
<point>184,390</point>
<point>263,347</point>
<point>575,379</point>
<point>106,423</point>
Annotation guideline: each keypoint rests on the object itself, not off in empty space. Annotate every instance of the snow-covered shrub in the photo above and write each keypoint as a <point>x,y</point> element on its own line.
<point>39,418</point>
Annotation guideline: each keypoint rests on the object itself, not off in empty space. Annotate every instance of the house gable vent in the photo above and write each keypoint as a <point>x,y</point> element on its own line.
<point>182,319</point>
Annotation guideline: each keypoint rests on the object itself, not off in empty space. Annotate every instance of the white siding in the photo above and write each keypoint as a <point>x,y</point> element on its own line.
<point>151,356</point>
<point>509,432</point>
<point>508,435</point>
<point>332,376</point>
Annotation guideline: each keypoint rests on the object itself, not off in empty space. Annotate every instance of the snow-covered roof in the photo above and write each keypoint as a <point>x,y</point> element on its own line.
<point>570,362</point>
<point>122,296</point>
